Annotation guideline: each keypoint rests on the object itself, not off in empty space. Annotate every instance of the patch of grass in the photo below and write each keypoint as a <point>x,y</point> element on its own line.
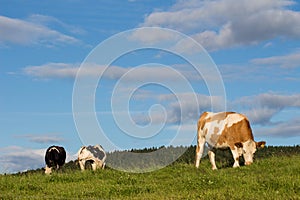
<point>270,178</point>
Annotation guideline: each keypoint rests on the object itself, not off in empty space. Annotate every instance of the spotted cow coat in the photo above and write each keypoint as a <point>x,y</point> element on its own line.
<point>95,154</point>
<point>226,129</point>
<point>55,157</point>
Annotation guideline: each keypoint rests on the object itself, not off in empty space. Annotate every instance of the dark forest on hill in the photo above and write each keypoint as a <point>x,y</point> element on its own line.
<point>187,156</point>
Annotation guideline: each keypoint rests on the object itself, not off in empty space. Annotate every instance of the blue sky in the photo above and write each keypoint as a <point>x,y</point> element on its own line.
<point>254,45</point>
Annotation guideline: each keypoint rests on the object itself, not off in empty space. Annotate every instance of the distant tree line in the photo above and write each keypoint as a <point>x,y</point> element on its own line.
<point>157,157</point>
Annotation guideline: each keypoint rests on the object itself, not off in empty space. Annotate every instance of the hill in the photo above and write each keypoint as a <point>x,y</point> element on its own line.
<point>274,175</point>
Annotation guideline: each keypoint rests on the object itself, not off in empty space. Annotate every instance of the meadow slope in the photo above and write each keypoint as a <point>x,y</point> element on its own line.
<point>273,177</point>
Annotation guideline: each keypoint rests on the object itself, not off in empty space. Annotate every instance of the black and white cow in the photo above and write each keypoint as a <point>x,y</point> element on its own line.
<point>95,154</point>
<point>55,157</point>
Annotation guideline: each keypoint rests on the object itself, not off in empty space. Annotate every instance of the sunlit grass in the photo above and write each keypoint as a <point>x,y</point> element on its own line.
<point>270,178</point>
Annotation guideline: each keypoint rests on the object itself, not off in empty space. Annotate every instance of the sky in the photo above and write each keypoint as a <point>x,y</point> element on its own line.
<point>77,72</point>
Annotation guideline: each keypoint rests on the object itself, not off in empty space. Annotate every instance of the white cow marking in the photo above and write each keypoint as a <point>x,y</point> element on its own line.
<point>54,148</point>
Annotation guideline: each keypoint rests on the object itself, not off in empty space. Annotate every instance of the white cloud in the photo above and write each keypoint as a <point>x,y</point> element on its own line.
<point>48,21</point>
<point>274,68</point>
<point>152,36</point>
<point>14,159</point>
<point>68,70</point>
<point>283,129</point>
<point>23,32</point>
<point>288,61</point>
<point>151,72</point>
<point>213,40</point>
<point>18,159</point>
<point>194,14</point>
<point>42,139</point>
<point>52,70</point>
<point>180,108</point>
<point>225,23</point>
<point>261,108</point>
<point>272,100</point>
<point>261,115</point>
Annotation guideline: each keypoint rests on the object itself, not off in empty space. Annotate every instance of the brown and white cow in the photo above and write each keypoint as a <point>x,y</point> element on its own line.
<point>226,129</point>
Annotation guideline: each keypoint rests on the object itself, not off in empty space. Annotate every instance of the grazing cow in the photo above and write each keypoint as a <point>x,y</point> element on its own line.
<point>95,154</point>
<point>55,157</point>
<point>226,129</point>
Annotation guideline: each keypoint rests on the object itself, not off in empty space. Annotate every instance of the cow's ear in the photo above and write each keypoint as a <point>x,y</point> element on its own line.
<point>238,144</point>
<point>260,144</point>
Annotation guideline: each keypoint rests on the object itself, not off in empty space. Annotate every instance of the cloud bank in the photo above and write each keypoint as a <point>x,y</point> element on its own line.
<point>26,32</point>
<point>18,159</point>
<point>145,72</point>
<point>261,108</point>
<point>42,139</point>
<point>15,159</point>
<point>289,61</point>
<point>223,24</point>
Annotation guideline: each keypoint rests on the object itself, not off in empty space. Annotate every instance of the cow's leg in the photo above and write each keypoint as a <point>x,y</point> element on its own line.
<point>199,149</point>
<point>82,164</point>
<point>236,156</point>
<point>211,156</point>
<point>94,165</point>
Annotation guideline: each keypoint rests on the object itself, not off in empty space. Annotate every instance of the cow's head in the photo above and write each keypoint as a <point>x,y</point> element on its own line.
<point>249,148</point>
<point>48,170</point>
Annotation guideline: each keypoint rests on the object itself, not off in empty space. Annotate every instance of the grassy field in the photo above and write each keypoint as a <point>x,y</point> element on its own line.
<point>268,178</point>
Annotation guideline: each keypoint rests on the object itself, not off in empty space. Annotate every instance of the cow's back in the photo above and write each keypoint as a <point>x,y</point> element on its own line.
<point>238,132</point>
<point>97,151</point>
<point>224,129</point>
<point>91,153</point>
<point>55,155</point>
<point>62,156</point>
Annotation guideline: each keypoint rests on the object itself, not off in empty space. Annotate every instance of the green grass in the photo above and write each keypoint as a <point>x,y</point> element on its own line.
<point>269,178</point>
